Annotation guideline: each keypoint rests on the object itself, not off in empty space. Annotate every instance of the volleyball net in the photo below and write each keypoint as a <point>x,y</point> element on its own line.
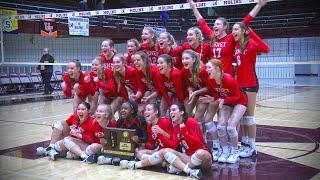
<point>288,58</point>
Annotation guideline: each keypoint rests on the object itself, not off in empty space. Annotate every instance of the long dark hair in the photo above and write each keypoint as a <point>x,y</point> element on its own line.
<point>87,105</point>
<point>145,57</point>
<point>243,45</point>
<point>117,74</point>
<point>196,65</point>
<point>181,107</point>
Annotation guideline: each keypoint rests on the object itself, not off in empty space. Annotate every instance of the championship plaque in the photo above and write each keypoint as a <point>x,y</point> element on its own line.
<point>119,142</point>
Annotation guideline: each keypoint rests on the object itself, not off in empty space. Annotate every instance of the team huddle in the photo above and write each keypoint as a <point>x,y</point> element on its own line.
<point>169,94</point>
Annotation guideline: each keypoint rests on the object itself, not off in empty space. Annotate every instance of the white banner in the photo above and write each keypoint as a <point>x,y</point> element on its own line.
<point>170,7</point>
<point>78,26</point>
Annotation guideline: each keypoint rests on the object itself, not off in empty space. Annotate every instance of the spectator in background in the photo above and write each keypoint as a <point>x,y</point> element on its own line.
<point>164,17</point>
<point>46,70</point>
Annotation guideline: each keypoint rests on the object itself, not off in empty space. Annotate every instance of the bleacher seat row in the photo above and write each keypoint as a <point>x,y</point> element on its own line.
<point>19,83</point>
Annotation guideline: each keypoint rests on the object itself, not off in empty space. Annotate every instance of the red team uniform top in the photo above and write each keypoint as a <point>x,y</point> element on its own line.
<point>176,54</point>
<point>98,131</point>
<point>223,49</point>
<point>203,50</point>
<point>158,141</point>
<point>108,85</point>
<point>107,61</point>
<point>190,136</point>
<point>84,87</point>
<point>229,90</point>
<point>173,84</point>
<point>129,60</point>
<point>151,51</point>
<point>149,85</point>
<point>246,60</point>
<point>132,80</point>
<point>84,129</point>
<point>203,77</point>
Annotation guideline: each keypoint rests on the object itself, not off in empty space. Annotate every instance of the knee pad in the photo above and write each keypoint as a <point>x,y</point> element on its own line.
<point>232,131</point>
<point>170,157</point>
<point>88,151</point>
<point>211,127</point>
<point>68,143</point>
<point>195,160</point>
<point>56,146</point>
<point>249,120</point>
<point>154,159</point>
<point>145,156</point>
<point>222,131</point>
<point>58,125</point>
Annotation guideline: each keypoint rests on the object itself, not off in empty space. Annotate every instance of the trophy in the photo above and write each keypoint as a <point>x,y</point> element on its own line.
<point>119,142</point>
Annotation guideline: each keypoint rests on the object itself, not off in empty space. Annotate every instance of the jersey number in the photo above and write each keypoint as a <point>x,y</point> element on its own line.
<point>217,52</point>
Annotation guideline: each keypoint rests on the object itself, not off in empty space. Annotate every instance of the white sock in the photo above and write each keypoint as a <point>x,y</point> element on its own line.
<point>138,165</point>
<point>83,156</point>
<point>252,142</point>
<point>216,143</point>
<point>186,169</point>
<point>244,139</point>
<point>51,145</point>
<point>233,150</point>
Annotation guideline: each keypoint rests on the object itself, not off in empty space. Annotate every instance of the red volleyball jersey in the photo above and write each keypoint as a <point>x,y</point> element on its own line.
<point>173,84</point>
<point>158,141</point>
<point>202,79</point>
<point>246,60</point>
<point>84,128</point>
<point>228,90</point>
<point>107,61</point>
<point>190,136</point>
<point>203,50</point>
<point>151,51</point>
<point>108,85</point>
<point>84,87</point>
<point>223,49</point>
<point>176,55</point>
<point>149,85</point>
<point>132,80</point>
<point>98,131</point>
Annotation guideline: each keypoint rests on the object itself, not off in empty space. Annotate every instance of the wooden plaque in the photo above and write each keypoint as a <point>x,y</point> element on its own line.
<point>119,142</point>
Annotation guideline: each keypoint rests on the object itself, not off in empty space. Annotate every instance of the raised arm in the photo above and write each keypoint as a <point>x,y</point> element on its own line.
<point>195,10</point>
<point>257,8</point>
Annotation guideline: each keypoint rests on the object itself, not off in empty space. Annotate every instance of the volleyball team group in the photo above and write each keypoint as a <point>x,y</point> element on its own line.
<point>169,94</point>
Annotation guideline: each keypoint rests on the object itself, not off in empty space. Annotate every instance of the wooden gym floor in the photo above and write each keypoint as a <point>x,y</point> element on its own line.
<point>288,137</point>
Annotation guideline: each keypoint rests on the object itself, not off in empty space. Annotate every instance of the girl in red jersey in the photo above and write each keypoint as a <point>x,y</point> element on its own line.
<point>159,137</point>
<point>167,45</point>
<point>232,106</point>
<point>97,70</point>
<point>248,46</point>
<point>222,43</point>
<point>148,44</point>
<point>148,73</point>
<point>196,43</point>
<point>128,81</point>
<point>74,79</point>
<point>100,80</point>
<point>108,52</point>
<point>76,126</point>
<point>103,119</point>
<point>196,78</point>
<point>173,82</point>
<point>132,47</point>
<point>194,152</point>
